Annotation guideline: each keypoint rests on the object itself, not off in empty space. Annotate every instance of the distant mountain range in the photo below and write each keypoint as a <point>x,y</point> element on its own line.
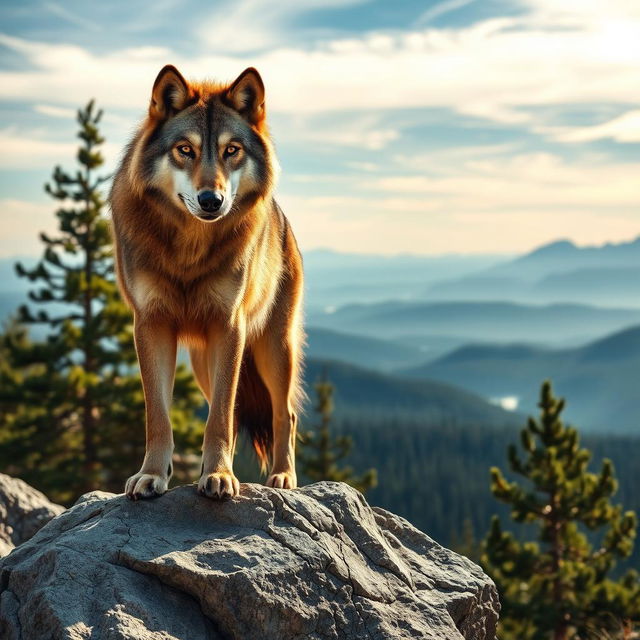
<point>334,279</point>
<point>496,325</point>
<point>364,392</point>
<point>477,321</point>
<point>600,379</point>
<point>563,255</point>
<point>558,272</point>
<point>371,353</point>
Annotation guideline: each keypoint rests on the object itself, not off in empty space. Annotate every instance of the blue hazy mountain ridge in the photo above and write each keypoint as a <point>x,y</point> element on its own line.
<point>563,255</point>
<point>364,392</point>
<point>371,353</point>
<point>334,279</point>
<point>478,321</point>
<point>605,286</point>
<point>350,294</point>
<point>560,271</point>
<point>599,379</point>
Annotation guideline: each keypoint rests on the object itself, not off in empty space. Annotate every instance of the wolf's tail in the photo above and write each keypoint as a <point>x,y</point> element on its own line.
<point>253,409</point>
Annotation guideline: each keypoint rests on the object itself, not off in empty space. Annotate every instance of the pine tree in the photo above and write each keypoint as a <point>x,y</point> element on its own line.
<point>72,405</point>
<point>319,454</point>
<point>10,377</point>
<point>561,586</point>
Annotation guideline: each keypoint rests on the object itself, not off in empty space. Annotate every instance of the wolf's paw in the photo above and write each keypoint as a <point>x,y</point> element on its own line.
<point>219,485</point>
<point>146,485</point>
<point>285,480</point>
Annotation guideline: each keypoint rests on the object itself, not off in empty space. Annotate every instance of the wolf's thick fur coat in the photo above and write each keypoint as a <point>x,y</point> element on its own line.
<point>227,283</point>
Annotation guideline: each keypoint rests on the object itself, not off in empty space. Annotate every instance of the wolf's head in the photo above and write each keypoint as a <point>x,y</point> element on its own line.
<point>204,147</point>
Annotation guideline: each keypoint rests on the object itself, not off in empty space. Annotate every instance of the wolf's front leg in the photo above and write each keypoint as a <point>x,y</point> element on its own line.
<point>225,347</point>
<point>156,348</point>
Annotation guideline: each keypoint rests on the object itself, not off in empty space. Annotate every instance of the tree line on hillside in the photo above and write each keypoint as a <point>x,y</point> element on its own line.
<point>72,409</point>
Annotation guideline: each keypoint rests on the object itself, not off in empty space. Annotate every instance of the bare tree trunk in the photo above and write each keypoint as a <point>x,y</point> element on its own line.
<point>88,410</point>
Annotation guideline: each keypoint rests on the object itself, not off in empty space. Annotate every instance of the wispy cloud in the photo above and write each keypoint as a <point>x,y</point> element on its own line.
<point>520,182</point>
<point>55,112</point>
<point>440,9</point>
<point>517,75</point>
<point>26,220</point>
<point>20,149</point>
<point>624,128</point>
<point>70,16</point>
<point>420,224</point>
<point>360,132</point>
<point>249,26</point>
<point>496,69</point>
<point>438,202</point>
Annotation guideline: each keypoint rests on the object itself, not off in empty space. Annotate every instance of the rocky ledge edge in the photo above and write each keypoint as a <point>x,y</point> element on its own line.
<point>314,563</point>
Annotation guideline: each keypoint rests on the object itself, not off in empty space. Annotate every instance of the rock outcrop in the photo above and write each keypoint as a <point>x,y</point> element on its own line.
<point>23,511</point>
<point>314,563</point>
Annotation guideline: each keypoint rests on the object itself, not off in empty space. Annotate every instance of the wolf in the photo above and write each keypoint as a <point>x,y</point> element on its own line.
<point>205,257</point>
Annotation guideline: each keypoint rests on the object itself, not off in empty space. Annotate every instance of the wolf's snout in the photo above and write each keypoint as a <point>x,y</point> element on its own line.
<point>210,200</point>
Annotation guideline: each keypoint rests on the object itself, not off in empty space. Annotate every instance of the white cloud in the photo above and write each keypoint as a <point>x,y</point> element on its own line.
<point>363,166</point>
<point>518,182</point>
<point>55,112</point>
<point>33,150</point>
<point>497,69</point>
<point>247,26</point>
<point>489,202</point>
<point>416,225</point>
<point>21,222</point>
<point>441,9</point>
<point>25,151</point>
<point>70,16</point>
<point>450,160</point>
<point>624,128</point>
<point>578,52</point>
<point>360,132</point>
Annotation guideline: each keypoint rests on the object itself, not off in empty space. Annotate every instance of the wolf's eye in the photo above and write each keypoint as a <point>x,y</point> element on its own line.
<point>185,150</point>
<point>231,150</point>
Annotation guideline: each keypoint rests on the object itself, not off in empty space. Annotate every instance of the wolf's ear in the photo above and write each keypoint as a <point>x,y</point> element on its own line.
<point>246,96</point>
<point>170,93</point>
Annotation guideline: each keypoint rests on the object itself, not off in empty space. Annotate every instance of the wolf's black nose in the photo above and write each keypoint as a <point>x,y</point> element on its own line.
<point>210,200</point>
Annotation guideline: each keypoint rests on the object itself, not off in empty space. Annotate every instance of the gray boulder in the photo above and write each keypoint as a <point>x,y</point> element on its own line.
<point>314,563</point>
<point>23,511</point>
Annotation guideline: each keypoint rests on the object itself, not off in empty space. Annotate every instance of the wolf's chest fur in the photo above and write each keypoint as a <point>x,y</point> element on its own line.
<point>197,278</point>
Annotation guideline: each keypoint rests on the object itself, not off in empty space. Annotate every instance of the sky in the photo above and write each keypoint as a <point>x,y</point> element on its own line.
<point>427,127</point>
